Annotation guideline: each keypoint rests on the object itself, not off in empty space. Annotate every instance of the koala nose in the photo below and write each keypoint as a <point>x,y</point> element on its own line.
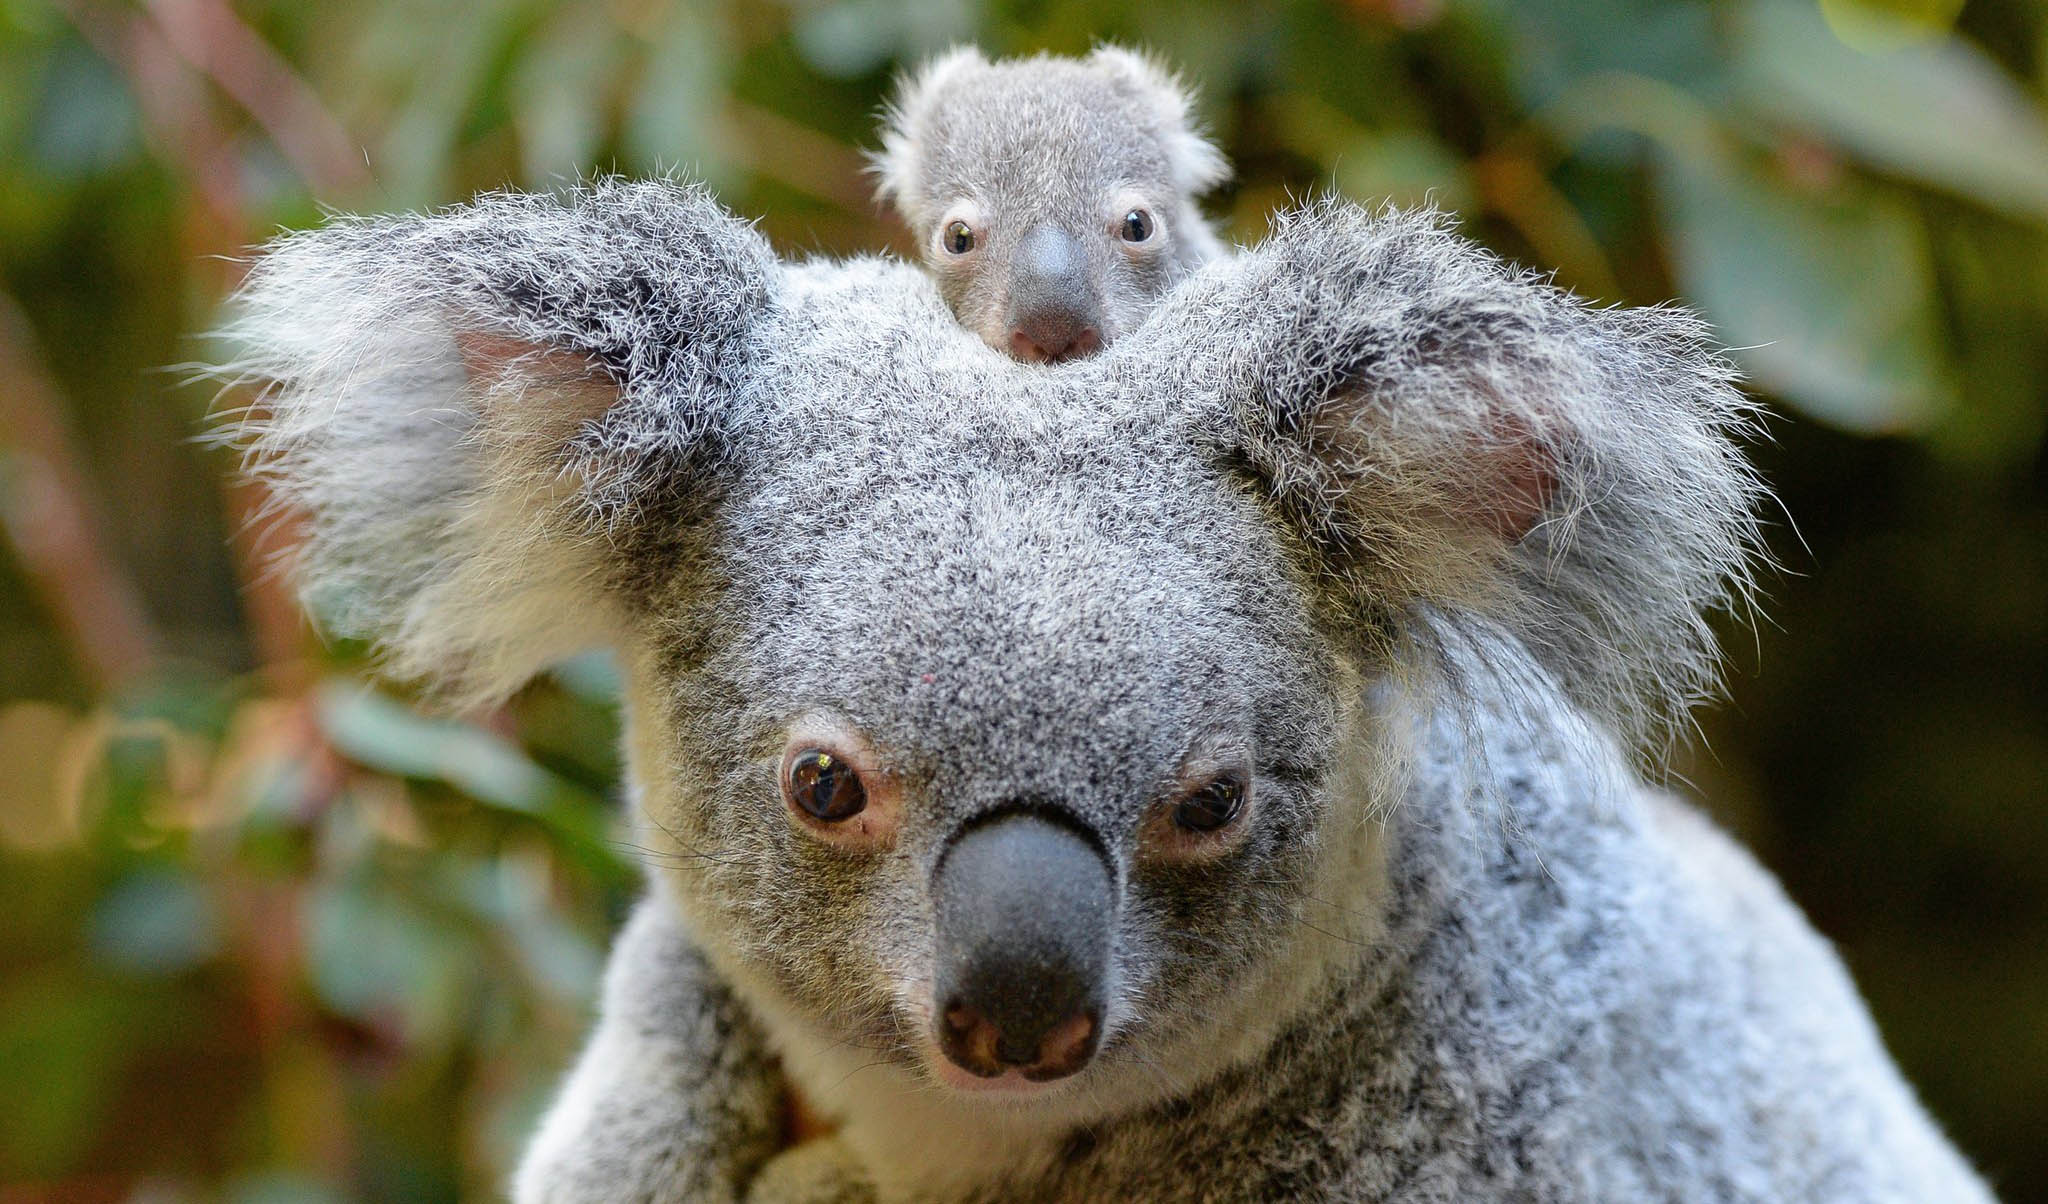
<point>1024,905</point>
<point>1054,314</point>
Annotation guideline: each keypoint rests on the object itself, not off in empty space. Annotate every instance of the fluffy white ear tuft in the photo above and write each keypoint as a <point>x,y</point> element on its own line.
<point>1463,444</point>
<point>1197,165</point>
<point>474,410</point>
<point>896,166</point>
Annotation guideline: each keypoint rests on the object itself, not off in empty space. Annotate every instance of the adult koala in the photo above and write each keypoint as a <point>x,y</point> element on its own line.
<point>1199,772</point>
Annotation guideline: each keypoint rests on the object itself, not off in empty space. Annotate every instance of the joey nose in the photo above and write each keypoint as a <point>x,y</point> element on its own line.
<point>1024,907</point>
<point>1054,312</point>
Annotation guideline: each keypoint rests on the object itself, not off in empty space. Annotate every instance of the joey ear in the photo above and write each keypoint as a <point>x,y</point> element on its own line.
<point>1460,442</point>
<point>1197,165</point>
<point>898,166</point>
<point>474,409</point>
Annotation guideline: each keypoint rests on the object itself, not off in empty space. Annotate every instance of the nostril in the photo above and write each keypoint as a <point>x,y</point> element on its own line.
<point>1051,334</point>
<point>975,1044</point>
<point>1023,906</point>
<point>1050,347</point>
<point>970,1040</point>
<point>1022,347</point>
<point>1068,1044</point>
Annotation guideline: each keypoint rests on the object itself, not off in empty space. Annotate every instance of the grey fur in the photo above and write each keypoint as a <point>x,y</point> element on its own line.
<point>1072,143</point>
<point>1428,539</point>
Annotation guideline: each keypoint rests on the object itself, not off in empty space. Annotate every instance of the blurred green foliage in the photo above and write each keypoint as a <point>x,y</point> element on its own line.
<point>266,933</point>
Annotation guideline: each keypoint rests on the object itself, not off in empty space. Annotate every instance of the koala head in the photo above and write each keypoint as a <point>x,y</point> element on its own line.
<point>1054,199</point>
<point>995,725</point>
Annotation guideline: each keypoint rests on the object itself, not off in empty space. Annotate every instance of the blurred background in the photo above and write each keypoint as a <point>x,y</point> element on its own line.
<point>267,933</point>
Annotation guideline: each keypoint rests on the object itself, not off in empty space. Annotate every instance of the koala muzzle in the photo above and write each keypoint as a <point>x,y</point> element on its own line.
<point>1054,312</point>
<point>1025,905</point>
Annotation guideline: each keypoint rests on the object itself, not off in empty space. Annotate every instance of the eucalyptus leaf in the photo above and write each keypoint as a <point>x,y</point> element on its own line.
<point>1408,167</point>
<point>847,38</point>
<point>154,922</point>
<point>83,120</point>
<point>62,1044</point>
<point>282,1187</point>
<point>1938,111</point>
<point>462,43</point>
<point>676,117</point>
<point>375,955</point>
<point>1827,301</point>
<point>559,92</point>
<point>1549,47</point>
<point>379,732</point>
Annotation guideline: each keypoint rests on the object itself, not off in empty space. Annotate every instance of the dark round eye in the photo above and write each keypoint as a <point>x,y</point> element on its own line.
<point>825,786</point>
<point>1211,807</point>
<point>959,238</point>
<point>1137,226</point>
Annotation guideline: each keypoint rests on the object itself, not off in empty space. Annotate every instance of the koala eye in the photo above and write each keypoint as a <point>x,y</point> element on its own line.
<point>1212,807</point>
<point>825,786</point>
<point>958,238</point>
<point>1137,226</point>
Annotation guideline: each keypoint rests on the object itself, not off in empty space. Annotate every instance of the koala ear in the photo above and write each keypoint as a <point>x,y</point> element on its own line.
<point>1197,165</point>
<point>897,167</point>
<point>470,408</point>
<point>1460,442</point>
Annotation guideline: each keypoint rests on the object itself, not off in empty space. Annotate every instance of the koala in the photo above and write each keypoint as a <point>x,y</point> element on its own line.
<point>1054,199</point>
<point>1212,770</point>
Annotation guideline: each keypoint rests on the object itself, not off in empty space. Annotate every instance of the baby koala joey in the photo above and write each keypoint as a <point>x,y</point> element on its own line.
<point>1052,198</point>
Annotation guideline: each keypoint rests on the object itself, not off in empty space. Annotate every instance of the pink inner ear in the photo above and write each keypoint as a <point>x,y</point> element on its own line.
<point>1526,480</point>
<point>1519,479</point>
<point>573,387</point>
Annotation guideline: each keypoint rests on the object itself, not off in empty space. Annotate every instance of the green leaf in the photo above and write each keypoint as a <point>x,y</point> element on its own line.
<point>559,92</point>
<point>84,121</point>
<point>1549,47</point>
<point>847,39</point>
<point>1408,167</point>
<point>383,734</point>
<point>511,899</point>
<point>676,119</point>
<point>281,1187</point>
<point>155,922</point>
<point>593,677</point>
<point>1941,111</point>
<point>1828,301</point>
<point>442,56</point>
<point>62,1044</point>
<point>375,955</point>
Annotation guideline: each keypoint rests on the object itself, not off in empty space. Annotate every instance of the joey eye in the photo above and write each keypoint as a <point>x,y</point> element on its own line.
<point>825,786</point>
<point>1137,226</point>
<point>1212,807</point>
<point>958,238</point>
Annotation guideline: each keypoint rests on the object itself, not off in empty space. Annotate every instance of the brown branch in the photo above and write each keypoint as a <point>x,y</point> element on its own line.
<point>801,157</point>
<point>208,35</point>
<point>49,514</point>
<point>277,624</point>
<point>174,116</point>
<point>187,136</point>
<point>1513,186</point>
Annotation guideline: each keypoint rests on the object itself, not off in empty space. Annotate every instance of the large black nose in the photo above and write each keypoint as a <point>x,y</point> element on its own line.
<point>1055,311</point>
<point>1024,904</point>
